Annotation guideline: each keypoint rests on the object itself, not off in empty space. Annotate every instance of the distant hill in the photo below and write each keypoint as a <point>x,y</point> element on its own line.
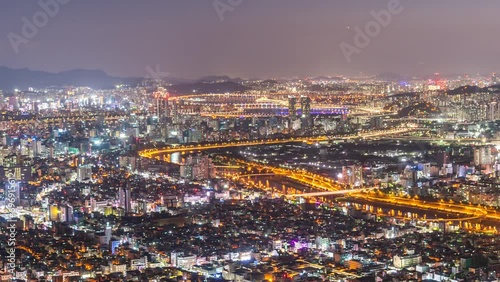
<point>406,94</point>
<point>24,78</point>
<point>420,109</point>
<point>11,79</point>
<point>467,90</point>
<point>219,78</point>
<point>328,78</point>
<point>389,77</point>
<point>201,87</point>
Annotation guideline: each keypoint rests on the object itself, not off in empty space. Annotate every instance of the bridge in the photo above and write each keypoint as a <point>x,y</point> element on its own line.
<point>331,193</point>
<point>328,186</point>
<point>310,179</point>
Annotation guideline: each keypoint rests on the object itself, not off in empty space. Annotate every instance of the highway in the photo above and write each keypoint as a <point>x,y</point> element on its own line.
<point>470,212</point>
<point>332,193</point>
<point>327,186</point>
<point>310,179</point>
<point>150,153</point>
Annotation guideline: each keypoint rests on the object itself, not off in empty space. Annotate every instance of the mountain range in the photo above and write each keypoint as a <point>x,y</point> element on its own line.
<point>11,79</point>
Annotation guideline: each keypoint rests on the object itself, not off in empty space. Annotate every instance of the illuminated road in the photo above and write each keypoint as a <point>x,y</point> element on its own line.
<point>470,212</point>
<point>196,148</point>
<point>332,193</point>
<point>328,186</point>
<point>310,179</point>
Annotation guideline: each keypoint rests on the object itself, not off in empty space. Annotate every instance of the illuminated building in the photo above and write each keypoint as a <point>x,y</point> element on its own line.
<point>128,162</point>
<point>482,156</point>
<point>175,112</point>
<point>406,261</point>
<point>54,213</point>
<point>124,199</point>
<point>292,107</point>
<point>84,172</point>
<point>492,113</point>
<point>161,98</point>
<point>199,167</point>
<point>66,214</point>
<point>305,104</point>
<point>352,175</point>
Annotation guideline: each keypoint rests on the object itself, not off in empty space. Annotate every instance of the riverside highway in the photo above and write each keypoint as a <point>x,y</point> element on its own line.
<point>327,186</point>
<point>150,153</point>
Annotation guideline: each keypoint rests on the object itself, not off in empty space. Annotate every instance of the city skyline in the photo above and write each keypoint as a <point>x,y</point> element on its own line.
<point>249,140</point>
<point>251,39</point>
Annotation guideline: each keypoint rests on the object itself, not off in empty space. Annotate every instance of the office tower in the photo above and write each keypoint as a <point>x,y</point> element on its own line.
<point>124,199</point>
<point>175,112</point>
<point>305,104</point>
<point>161,98</point>
<point>128,201</point>
<point>66,213</point>
<point>292,107</point>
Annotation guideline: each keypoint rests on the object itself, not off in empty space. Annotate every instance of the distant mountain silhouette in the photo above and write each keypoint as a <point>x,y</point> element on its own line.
<point>11,79</point>
<point>219,78</point>
<point>467,90</point>
<point>338,78</point>
<point>269,82</point>
<point>24,78</point>
<point>389,77</point>
<point>201,87</point>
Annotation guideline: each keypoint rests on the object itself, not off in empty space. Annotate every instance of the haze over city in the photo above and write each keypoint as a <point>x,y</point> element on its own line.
<point>283,38</point>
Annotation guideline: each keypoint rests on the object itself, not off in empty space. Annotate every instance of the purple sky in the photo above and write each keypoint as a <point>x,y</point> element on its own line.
<point>259,38</point>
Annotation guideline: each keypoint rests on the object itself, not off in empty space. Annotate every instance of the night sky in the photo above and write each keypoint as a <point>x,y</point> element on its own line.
<point>258,38</point>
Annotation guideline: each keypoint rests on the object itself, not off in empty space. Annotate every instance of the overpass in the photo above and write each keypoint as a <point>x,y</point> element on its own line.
<point>331,193</point>
<point>310,179</point>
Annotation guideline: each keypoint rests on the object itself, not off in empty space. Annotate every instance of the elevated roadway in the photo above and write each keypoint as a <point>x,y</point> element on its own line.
<point>150,153</point>
<point>327,186</point>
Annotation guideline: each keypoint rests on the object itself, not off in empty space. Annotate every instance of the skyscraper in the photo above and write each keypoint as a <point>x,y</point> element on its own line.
<point>66,213</point>
<point>175,112</point>
<point>305,104</point>
<point>124,199</point>
<point>292,107</point>
<point>161,98</point>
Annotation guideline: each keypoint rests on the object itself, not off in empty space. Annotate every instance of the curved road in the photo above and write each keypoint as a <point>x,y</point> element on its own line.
<point>329,185</point>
